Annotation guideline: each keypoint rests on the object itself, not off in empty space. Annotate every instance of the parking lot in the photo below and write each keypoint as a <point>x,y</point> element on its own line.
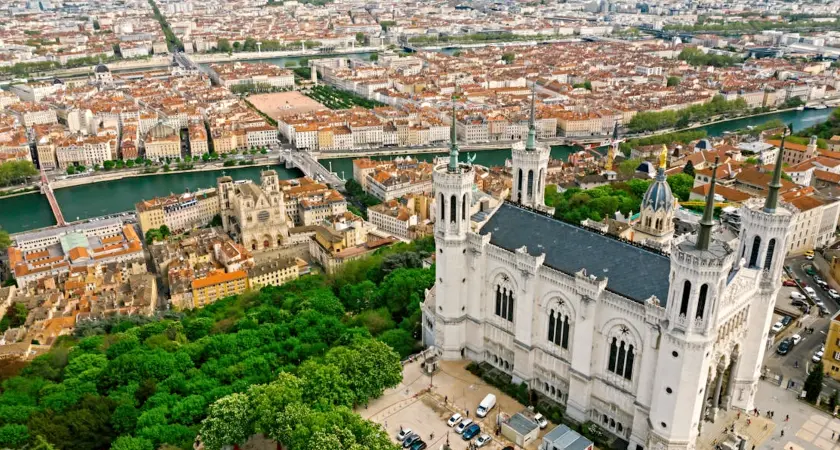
<point>793,366</point>
<point>425,411</point>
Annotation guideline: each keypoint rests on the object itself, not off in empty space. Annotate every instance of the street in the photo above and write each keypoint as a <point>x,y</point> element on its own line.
<point>801,353</point>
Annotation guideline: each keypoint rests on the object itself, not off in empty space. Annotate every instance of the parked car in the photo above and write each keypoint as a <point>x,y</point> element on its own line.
<point>486,405</point>
<point>404,433</point>
<point>412,438</point>
<point>777,327</point>
<point>795,339</point>
<point>785,320</point>
<point>798,303</point>
<point>833,294</point>
<point>818,355</point>
<point>463,425</point>
<point>418,445</point>
<point>789,283</point>
<point>823,310</point>
<point>454,420</point>
<point>471,432</point>
<point>540,419</point>
<point>482,440</point>
<point>811,292</point>
<point>784,347</point>
<point>797,296</point>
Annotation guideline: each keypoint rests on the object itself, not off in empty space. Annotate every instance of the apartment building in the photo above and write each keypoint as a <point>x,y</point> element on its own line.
<point>273,273</point>
<point>218,285</point>
<point>238,73</point>
<point>162,141</point>
<point>31,114</point>
<point>831,355</point>
<point>87,151</point>
<point>198,140</point>
<point>57,251</point>
<point>178,212</point>
<point>308,202</point>
<point>406,218</point>
<point>344,238</point>
<point>35,92</point>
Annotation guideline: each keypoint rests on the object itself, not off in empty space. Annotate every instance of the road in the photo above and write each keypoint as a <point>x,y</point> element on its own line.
<point>810,343</point>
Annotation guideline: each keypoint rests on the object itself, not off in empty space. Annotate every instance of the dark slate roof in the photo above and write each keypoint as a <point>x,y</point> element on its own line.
<point>634,272</point>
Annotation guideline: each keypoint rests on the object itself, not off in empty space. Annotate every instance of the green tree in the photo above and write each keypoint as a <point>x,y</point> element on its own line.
<point>688,168</point>
<point>813,384</point>
<point>374,57</point>
<point>5,240</point>
<point>223,45</point>
<point>230,421</point>
<point>132,443</point>
<point>13,435</point>
<point>681,185</point>
<point>673,81</point>
<point>401,341</point>
<point>508,57</point>
<point>14,172</point>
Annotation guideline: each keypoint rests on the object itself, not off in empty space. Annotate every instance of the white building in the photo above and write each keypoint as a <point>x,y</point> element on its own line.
<point>640,342</point>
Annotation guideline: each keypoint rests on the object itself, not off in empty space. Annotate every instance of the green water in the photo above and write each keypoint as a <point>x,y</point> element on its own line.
<point>32,211</point>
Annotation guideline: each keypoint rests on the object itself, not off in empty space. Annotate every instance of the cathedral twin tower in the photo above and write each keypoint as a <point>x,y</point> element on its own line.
<point>648,345</point>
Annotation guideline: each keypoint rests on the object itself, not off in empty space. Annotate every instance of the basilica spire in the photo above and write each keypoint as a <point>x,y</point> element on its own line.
<point>704,237</point>
<point>531,143</point>
<point>773,193</point>
<point>453,142</point>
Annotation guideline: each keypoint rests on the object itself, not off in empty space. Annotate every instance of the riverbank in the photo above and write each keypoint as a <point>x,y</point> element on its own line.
<point>400,151</point>
<point>207,58</point>
<point>101,177</point>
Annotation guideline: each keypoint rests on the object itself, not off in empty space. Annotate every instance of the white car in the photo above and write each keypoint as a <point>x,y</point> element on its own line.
<point>454,420</point>
<point>795,339</point>
<point>833,294</point>
<point>818,356</point>
<point>540,419</point>
<point>797,296</point>
<point>777,327</point>
<point>482,440</point>
<point>404,433</point>
<point>811,292</point>
<point>463,425</point>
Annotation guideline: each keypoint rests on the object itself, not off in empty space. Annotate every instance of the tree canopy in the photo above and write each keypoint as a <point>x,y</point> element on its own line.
<point>289,361</point>
<point>13,172</point>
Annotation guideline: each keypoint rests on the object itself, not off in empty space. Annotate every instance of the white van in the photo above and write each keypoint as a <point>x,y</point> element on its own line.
<point>811,292</point>
<point>486,405</point>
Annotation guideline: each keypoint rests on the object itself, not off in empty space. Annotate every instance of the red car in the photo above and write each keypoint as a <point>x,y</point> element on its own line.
<point>789,283</point>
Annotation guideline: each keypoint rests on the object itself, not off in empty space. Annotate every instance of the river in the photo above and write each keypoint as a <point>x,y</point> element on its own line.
<point>32,211</point>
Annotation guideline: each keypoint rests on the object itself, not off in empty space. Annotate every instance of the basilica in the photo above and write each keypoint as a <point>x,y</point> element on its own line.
<point>649,343</point>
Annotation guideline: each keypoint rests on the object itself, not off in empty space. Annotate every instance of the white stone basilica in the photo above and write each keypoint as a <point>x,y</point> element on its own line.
<point>646,344</point>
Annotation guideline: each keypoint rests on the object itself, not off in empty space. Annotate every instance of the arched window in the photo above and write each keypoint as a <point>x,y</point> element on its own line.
<point>498,300</point>
<point>518,198</point>
<point>622,357</point>
<point>701,302</point>
<point>685,297</point>
<point>551,323</point>
<point>453,209</point>
<point>464,208</point>
<point>558,329</point>
<point>530,185</point>
<point>768,259</point>
<point>628,369</point>
<point>564,342</point>
<point>442,209</point>
<point>510,307</point>
<point>754,254</point>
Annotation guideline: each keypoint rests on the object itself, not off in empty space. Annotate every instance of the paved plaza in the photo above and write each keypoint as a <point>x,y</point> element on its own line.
<point>414,405</point>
